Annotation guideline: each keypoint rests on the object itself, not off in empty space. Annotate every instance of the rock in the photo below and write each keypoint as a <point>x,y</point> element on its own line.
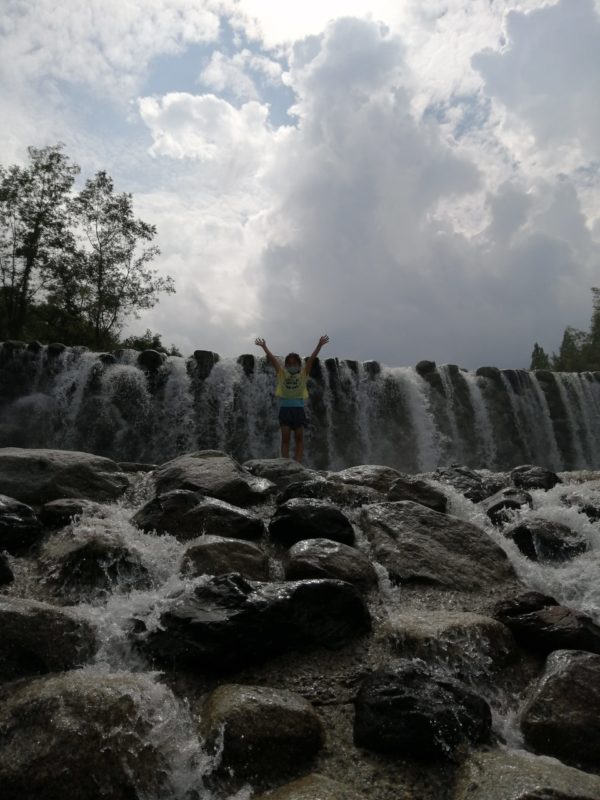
<point>205,361</point>
<point>136,466</point>
<point>456,637</point>
<point>151,360</point>
<point>6,574</point>
<point>418,545</point>
<point>261,732</point>
<point>280,471</point>
<point>583,504</point>
<point>543,540</point>
<point>58,513</point>
<point>503,774</point>
<point>377,477</point>
<point>227,622</point>
<point>529,477</point>
<point>75,568</point>
<point>38,638</point>
<point>411,711</point>
<point>216,555</point>
<point>19,526</point>
<point>425,367</point>
<point>323,558</point>
<point>38,476</point>
<point>312,787</point>
<point>464,480</point>
<point>304,518</point>
<point>56,349</point>
<point>341,494</point>
<point>418,491</point>
<point>186,515</point>
<point>561,717</point>
<point>215,474</point>
<point>538,623</point>
<point>87,734</point>
<point>500,504</point>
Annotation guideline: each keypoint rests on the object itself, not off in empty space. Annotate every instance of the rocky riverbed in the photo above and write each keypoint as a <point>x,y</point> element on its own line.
<point>208,630</point>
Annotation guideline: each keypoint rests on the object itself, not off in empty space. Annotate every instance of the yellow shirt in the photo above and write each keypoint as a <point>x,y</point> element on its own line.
<point>291,387</point>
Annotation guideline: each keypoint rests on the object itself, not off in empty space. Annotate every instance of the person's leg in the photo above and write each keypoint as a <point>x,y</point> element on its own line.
<point>299,443</point>
<point>285,441</point>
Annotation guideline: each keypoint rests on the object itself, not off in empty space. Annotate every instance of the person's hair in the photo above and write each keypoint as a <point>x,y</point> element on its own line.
<point>293,357</point>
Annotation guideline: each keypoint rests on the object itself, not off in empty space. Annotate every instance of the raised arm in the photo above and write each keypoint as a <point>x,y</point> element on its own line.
<point>322,341</point>
<point>272,359</point>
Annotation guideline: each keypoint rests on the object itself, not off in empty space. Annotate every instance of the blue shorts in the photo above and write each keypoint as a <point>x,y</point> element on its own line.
<point>292,417</point>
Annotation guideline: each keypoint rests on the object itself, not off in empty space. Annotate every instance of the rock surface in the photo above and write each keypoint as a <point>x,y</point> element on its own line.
<point>217,555</point>
<point>375,476</point>
<point>544,540</point>
<point>312,787</point>
<point>418,491</point>
<point>19,526</point>
<point>324,558</point>
<point>418,545</point>
<point>6,573</point>
<point>58,513</point>
<point>38,476</point>
<point>466,481</point>
<point>499,506</point>
<point>530,477</point>
<point>280,471</point>
<point>341,494</point>
<point>302,518</point>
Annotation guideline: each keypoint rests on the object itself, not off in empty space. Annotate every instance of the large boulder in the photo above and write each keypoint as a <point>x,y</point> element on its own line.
<point>303,518</point>
<point>503,774</point>
<point>38,476</point>
<point>228,622</point>
<point>540,624</point>
<point>261,733</point>
<point>38,638</point>
<point>87,734</point>
<point>545,540</point>
<point>529,477</point>
<point>412,711</point>
<point>217,555</point>
<point>468,482</point>
<point>418,545</point>
<point>323,558</point>
<point>420,491</point>
<point>6,573</point>
<point>340,494</point>
<point>561,717</point>
<point>280,471</point>
<point>215,474</point>
<point>58,513</point>
<point>312,787</point>
<point>19,526</point>
<point>375,476</point>
<point>186,515</point>
<point>499,506</point>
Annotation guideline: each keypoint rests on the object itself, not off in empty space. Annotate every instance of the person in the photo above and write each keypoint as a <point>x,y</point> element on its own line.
<point>292,392</point>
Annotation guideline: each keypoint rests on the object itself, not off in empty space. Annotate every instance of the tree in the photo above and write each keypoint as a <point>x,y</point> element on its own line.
<point>149,341</point>
<point>539,358</point>
<point>34,230</point>
<point>572,353</point>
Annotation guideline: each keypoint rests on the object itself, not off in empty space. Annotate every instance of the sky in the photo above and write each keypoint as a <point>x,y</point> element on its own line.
<point>416,178</point>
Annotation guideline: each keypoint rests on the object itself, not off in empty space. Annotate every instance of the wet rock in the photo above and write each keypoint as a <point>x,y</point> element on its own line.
<point>19,526</point>
<point>215,474</point>
<point>503,774</point>
<point>186,515</point>
<point>464,480</point>
<point>312,787</point>
<point>411,711</point>
<point>217,555</point>
<point>58,513</point>
<point>418,545</point>
<point>544,540</point>
<point>323,558</point>
<point>261,732</point>
<point>205,361</point>
<point>6,574</point>
<point>425,367</point>
<point>418,491</point>
<point>455,637</point>
<point>304,518</point>
<point>376,476</point>
<point>38,638</point>
<point>76,568</point>
<point>561,718</point>
<point>539,623</point>
<point>86,734</point>
<point>55,349</point>
<point>38,476</point>
<point>529,478</point>
<point>340,494</point>
<point>280,471</point>
<point>227,621</point>
<point>151,360</point>
<point>136,466</point>
<point>499,506</point>
<point>587,505</point>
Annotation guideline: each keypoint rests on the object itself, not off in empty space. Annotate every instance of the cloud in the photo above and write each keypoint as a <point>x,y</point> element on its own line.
<point>239,72</point>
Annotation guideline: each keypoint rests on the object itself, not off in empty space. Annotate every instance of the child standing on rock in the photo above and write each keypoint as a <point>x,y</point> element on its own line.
<point>292,392</point>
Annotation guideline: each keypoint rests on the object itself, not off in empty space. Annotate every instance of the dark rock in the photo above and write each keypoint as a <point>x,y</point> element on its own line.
<point>38,638</point>
<point>303,518</point>
<point>493,373</point>
<point>135,466</point>
<point>582,504</point>
<point>375,476</point>
<point>543,540</point>
<point>529,477</point>
<point>58,513</point>
<point>227,622</point>
<point>215,474</point>
<point>418,545</point>
<point>261,733</point>
<point>108,359</point>
<point>216,555</point>
<point>186,515</point>
<point>372,368</point>
<point>6,573</point>
<point>312,787</point>
<point>418,491</point>
<point>280,471</point>
<point>499,506</point>
<point>35,346</point>
<point>19,526</point>
<point>464,480</point>
<point>84,734</point>
<point>38,476</point>
<point>323,558</point>
<point>539,623</point>
<point>412,711</point>
<point>342,494</point>
<point>205,361</point>
<point>56,349</point>
<point>247,363</point>
<point>151,360</point>
<point>561,718</point>
<point>425,367</point>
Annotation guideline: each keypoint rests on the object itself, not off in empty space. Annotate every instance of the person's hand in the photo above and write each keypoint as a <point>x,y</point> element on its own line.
<point>323,340</point>
<point>260,342</point>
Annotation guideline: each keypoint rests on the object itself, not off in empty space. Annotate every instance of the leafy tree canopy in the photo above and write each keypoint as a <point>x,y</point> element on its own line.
<point>579,350</point>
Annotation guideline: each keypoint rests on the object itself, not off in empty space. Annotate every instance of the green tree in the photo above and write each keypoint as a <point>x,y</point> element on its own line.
<point>539,358</point>
<point>572,353</point>
<point>149,341</point>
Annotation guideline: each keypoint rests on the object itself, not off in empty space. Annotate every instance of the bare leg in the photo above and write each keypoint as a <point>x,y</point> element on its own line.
<point>285,441</point>
<point>299,449</point>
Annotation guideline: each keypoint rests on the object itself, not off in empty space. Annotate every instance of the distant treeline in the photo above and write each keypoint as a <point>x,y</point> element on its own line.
<point>73,265</point>
<point>579,350</point>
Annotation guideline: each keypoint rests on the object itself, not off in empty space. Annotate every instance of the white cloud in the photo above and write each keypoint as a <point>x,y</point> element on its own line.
<point>236,73</point>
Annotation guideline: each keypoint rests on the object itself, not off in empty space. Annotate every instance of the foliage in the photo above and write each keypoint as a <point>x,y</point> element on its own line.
<point>579,350</point>
<point>539,358</point>
<point>149,341</point>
